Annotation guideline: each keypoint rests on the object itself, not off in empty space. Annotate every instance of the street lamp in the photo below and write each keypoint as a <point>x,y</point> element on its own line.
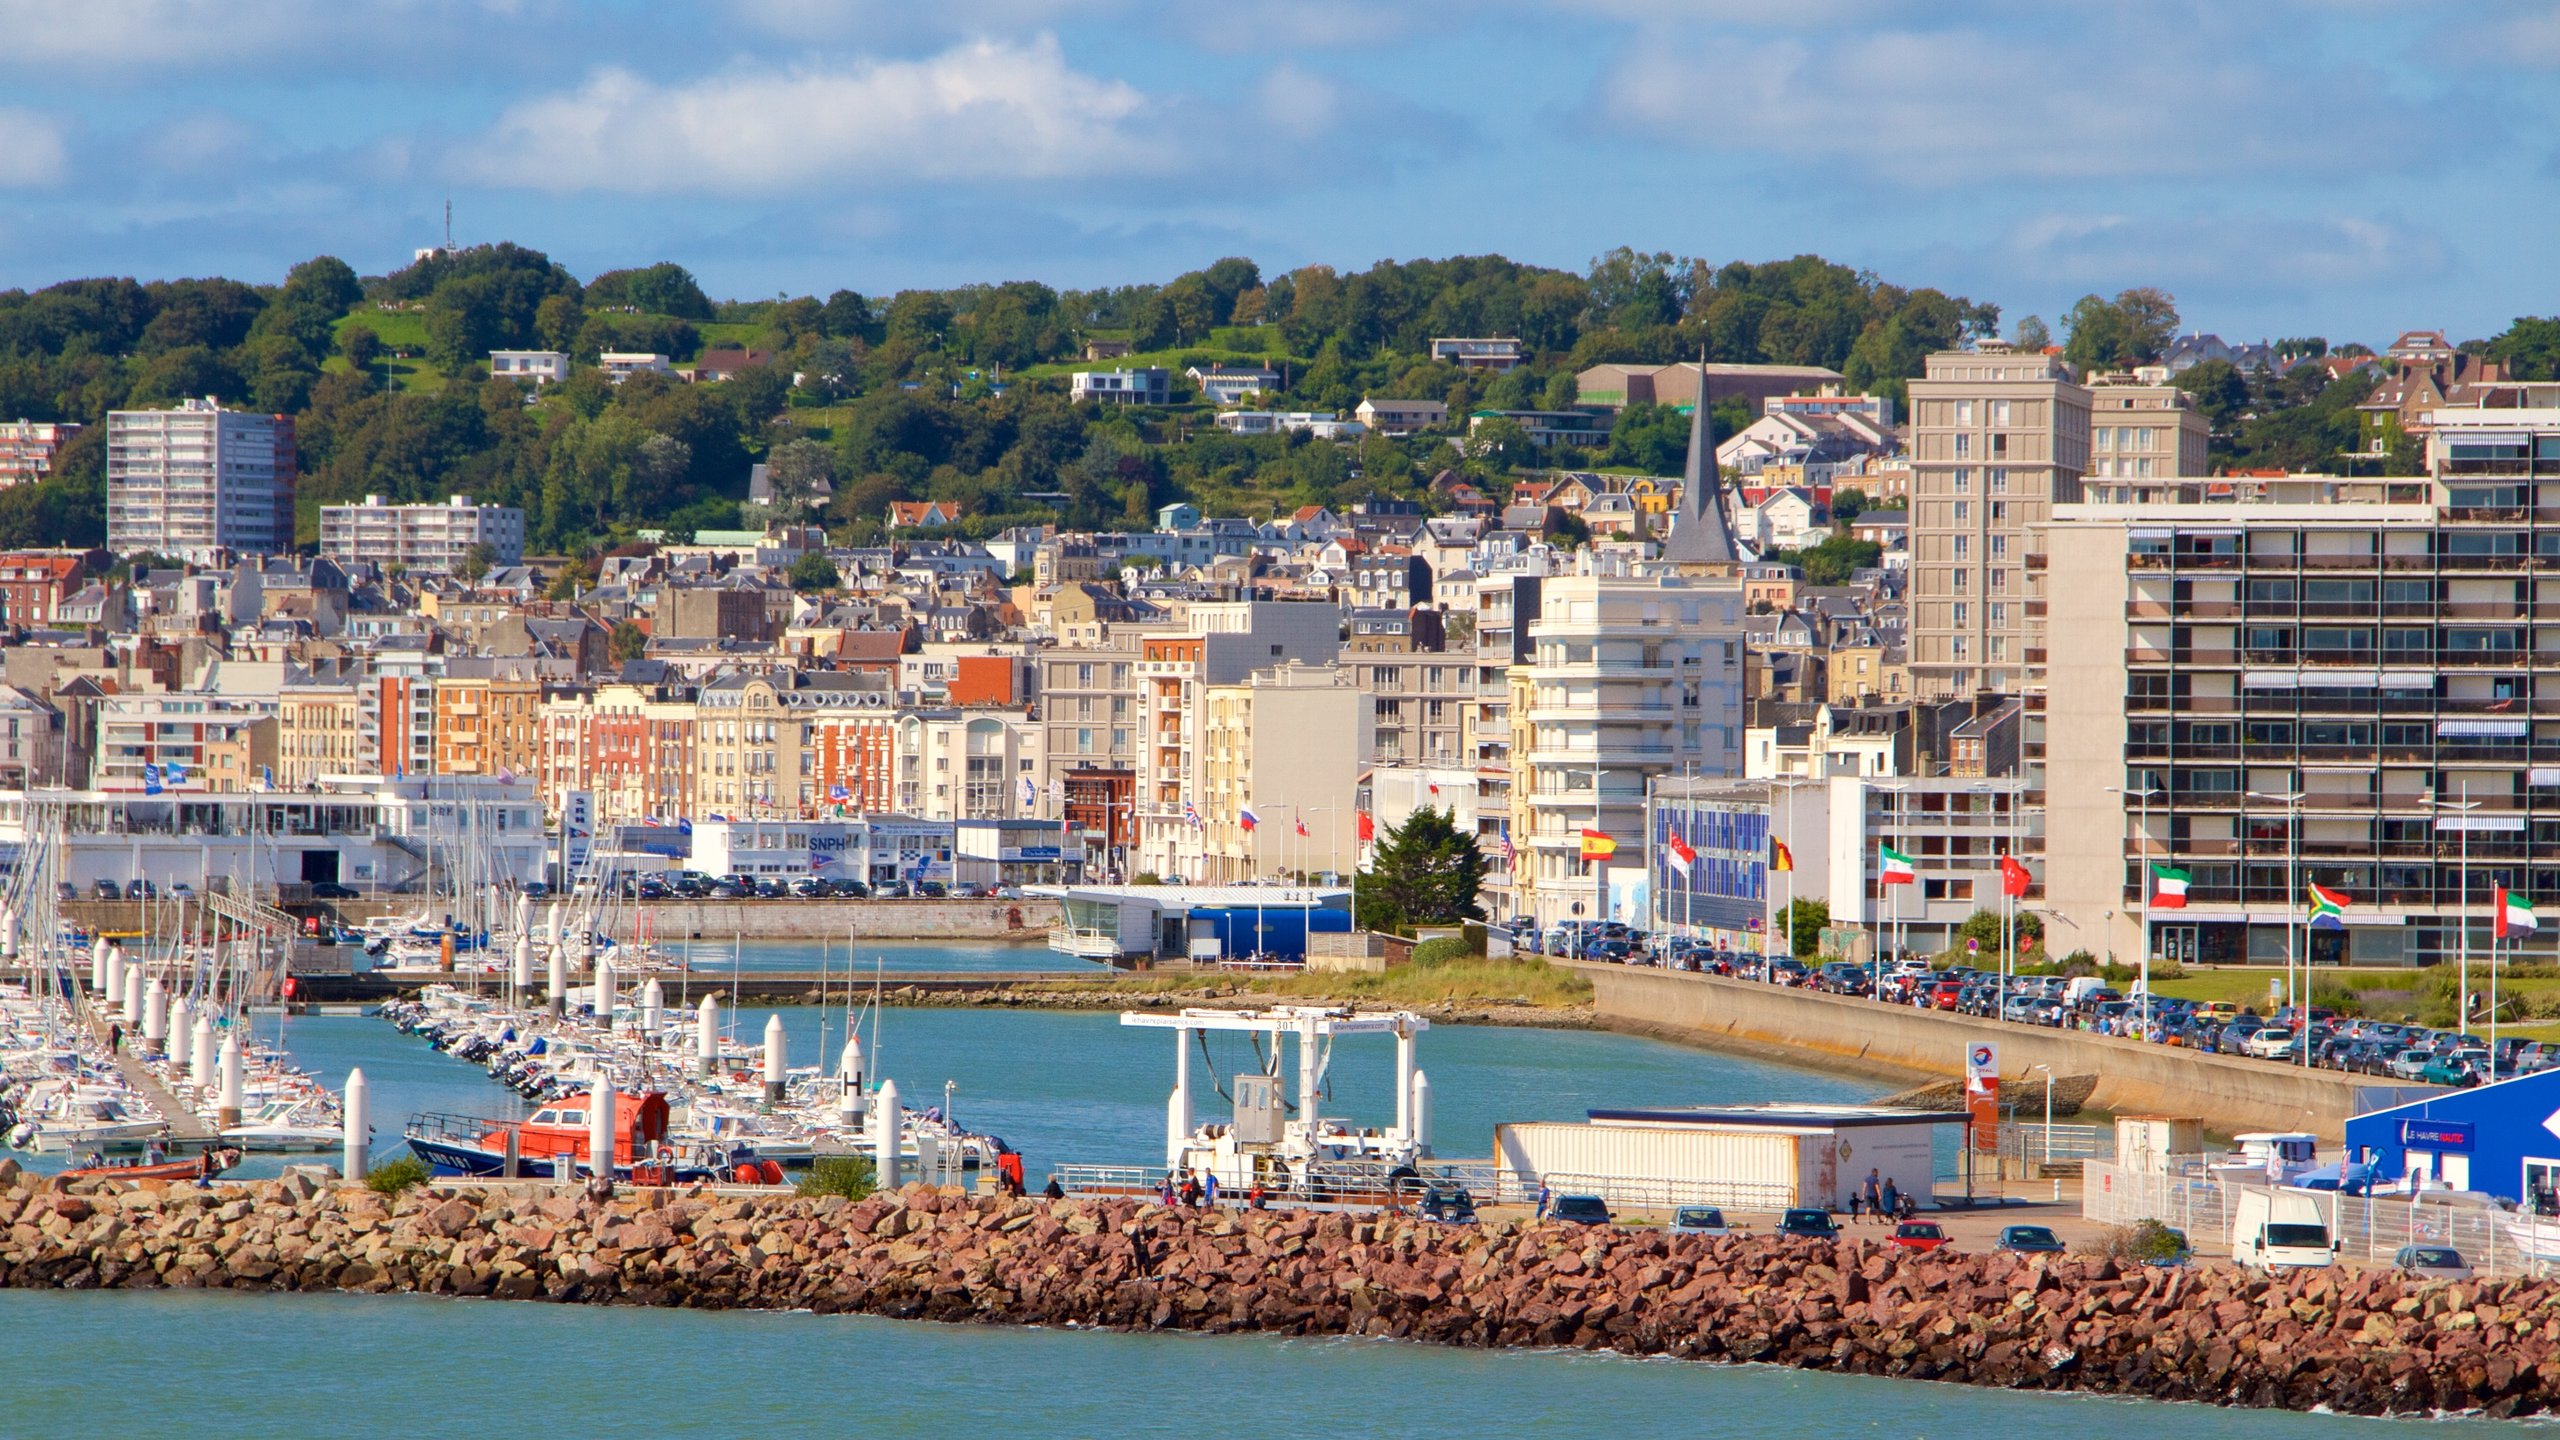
<point>2141,878</point>
<point>2292,801</point>
<point>2462,906</point>
<point>2048,1111</point>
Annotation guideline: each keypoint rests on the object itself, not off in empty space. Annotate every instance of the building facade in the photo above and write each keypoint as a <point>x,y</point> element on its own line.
<point>423,539</point>
<point>199,481</point>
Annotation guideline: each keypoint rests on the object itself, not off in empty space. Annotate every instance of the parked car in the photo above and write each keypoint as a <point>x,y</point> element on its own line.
<point>932,890</point>
<point>1920,1235</point>
<point>331,890</point>
<point>1579,1210</point>
<point>2030,1240</point>
<point>65,890</point>
<point>1698,1220</point>
<point>2431,1262</point>
<point>2270,1044</point>
<point>106,890</point>
<point>889,890</point>
<point>1809,1224</point>
<point>536,890</point>
<point>1446,1205</point>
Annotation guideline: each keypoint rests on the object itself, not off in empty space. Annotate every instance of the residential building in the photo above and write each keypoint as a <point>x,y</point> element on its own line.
<point>1321,425</point>
<point>421,539</point>
<point>199,481</point>
<point>968,764</point>
<point>2277,682</point>
<point>34,584</point>
<point>1729,894</point>
<point>621,365</point>
<point>1496,354</point>
<point>1397,419</point>
<point>540,367</point>
<point>488,725</point>
<point>1550,427</point>
<point>1222,644</point>
<point>1286,744</point>
<point>1141,385</point>
<point>153,733</point>
<point>1233,384</point>
<point>27,448</point>
<point>1631,677</point>
<point>1998,438</point>
<point>1089,702</point>
<point>2141,427</point>
<point>1954,831</point>
<point>1616,386</point>
<point>1418,705</point>
<point>323,728</point>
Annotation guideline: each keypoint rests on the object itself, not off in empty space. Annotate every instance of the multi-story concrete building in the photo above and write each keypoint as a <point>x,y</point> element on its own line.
<point>1954,831</point>
<point>2141,427</point>
<point>488,725</point>
<point>424,539</point>
<point>1141,385</point>
<point>323,728</point>
<point>1419,701</point>
<point>1631,678</point>
<point>27,448</point>
<point>1225,643</point>
<point>152,733</point>
<point>1089,702</point>
<point>1285,742</point>
<point>198,481</point>
<point>2271,683</point>
<point>968,765</point>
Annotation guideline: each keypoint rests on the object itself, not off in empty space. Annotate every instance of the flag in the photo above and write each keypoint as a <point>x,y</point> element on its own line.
<point>1897,867</point>
<point>2328,908</point>
<point>2515,914</point>
<point>1598,845</point>
<point>150,779</point>
<point>1680,854</point>
<point>2014,877</point>
<point>1435,787</point>
<point>838,794</point>
<point>1368,827</point>
<point>1030,792</point>
<point>1246,818</point>
<point>1302,826</point>
<point>2168,887</point>
<point>266,778</point>
<point>1507,855</point>
<point>1190,815</point>
<point>652,821</point>
<point>176,774</point>
<point>683,826</point>
<point>1780,857</point>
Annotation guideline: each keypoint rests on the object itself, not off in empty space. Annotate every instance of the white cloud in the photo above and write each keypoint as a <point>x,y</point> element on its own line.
<point>981,111</point>
<point>1297,102</point>
<point>2121,97</point>
<point>31,148</point>
<point>2221,253</point>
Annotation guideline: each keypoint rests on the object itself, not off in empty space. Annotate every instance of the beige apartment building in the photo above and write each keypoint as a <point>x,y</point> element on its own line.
<point>1998,438</point>
<point>488,726</point>
<point>323,729</point>
<point>1286,743</point>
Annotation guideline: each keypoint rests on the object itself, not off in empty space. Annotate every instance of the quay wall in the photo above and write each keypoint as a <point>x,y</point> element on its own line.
<point>1026,921</point>
<point>2355,1342</point>
<point>2229,1092</point>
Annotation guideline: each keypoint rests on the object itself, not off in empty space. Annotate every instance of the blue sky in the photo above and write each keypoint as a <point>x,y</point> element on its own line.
<point>2338,167</point>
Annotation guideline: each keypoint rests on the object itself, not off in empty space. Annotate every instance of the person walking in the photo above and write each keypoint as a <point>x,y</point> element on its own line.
<point>1892,1201</point>
<point>1209,1192</point>
<point>115,1039</point>
<point>1544,1196</point>
<point>1875,1193</point>
<point>1857,1207</point>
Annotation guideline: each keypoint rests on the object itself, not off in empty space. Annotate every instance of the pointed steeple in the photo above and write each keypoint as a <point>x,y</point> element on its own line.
<point>1703,535</point>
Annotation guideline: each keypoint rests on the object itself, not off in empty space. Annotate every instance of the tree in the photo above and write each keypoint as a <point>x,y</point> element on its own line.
<point>362,347</point>
<point>2221,394</point>
<point>2530,347</point>
<point>1425,871</point>
<point>814,571</point>
<point>627,642</point>
<point>1848,504</point>
<point>800,476</point>
<point>2033,334</point>
<point>1983,928</point>
<point>2135,328</point>
<point>478,561</point>
<point>1500,445</point>
<point>1802,922</point>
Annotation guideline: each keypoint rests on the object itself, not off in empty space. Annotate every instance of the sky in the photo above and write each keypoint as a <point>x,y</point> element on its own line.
<point>2347,168</point>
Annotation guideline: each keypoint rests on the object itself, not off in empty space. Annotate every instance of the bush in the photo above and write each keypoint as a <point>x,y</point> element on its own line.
<point>393,1176</point>
<point>1442,951</point>
<point>2140,1241</point>
<point>850,1176</point>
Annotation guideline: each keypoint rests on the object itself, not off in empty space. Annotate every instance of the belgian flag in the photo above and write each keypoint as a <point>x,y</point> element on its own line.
<point>1780,857</point>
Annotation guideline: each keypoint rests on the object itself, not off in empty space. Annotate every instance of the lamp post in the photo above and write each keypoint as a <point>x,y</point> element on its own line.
<point>2142,878</point>
<point>2292,800</point>
<point>2462,905</point>
<point>2048,1111</point>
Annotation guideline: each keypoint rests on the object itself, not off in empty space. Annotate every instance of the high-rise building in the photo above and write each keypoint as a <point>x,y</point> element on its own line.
<point>424,539</point>
<point>27,449</point>
<point>1284,743</point>
<point>199,480</point>
<point>2267,683</point>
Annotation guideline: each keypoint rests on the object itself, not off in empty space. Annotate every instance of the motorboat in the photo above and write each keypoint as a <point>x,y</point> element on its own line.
<point>307,1123</point>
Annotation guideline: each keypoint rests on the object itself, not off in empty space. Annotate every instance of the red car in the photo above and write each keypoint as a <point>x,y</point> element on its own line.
<point>1945,993</point>
<point>1919,1235</point>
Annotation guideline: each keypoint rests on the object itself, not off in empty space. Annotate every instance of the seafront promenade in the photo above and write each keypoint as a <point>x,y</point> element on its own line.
<point>2365,1342</point>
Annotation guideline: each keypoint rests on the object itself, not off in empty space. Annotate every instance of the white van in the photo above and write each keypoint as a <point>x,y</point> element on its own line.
<point>2280,1232</point>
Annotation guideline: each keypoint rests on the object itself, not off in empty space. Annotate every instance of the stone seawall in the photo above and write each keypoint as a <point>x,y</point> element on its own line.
<point>2229,1092</point>
<point>2365,1342</point>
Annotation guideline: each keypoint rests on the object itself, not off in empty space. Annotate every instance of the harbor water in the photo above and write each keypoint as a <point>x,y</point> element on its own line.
<point>1061,1086</point>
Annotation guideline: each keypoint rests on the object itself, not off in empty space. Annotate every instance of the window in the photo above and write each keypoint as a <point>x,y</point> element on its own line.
<point>1963,447</point>
<point>2102,438</point>
<point>1996,480</point>
<point>1963,548</point>
<point>1998,412</point>
<point>1964,412</point>
<point>1964,511</point>
<point>1959,612</point>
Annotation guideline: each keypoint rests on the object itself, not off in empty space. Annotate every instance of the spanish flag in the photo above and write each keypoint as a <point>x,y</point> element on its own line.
<point>1596,845</point>
<point>1780,857</point>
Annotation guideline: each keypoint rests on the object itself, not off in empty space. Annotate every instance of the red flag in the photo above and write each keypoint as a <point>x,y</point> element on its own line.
<point>2014,877</point>
<point>1368,827</point>
<point>1302,827</point>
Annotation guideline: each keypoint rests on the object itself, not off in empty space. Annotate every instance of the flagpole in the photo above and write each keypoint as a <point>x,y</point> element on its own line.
<point>2497,934</point>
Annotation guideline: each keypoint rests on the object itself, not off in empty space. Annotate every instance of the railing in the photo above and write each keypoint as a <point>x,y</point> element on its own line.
<point>2034,1140</point>
<point>2368,1226</point>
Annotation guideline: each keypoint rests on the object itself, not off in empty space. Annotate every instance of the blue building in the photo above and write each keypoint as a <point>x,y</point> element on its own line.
<point>1727,894</point>
<point>2501,1139</point>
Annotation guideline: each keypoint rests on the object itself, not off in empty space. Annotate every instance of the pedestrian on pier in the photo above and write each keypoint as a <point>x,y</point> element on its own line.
<point>115,1039</point>
<point>1857,1206</point>
<point>1892,1201</point>
<point>1875,1196</point>
<point>1209,1192</point>
<point>1544,1197</point>
<point>1053,1190</point>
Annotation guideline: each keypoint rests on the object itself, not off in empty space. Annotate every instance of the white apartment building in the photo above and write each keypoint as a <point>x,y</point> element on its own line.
<point>426,539</point>
<point>197,480</point>
<point>27,448</point>
<point>969,764</point>
<point>1144,385</point>
<point>1630,677</point>
<point>621,365</point>
<point>542,367</point>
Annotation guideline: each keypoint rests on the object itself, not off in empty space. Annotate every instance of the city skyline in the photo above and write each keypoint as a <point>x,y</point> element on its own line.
<point>2262,166</point>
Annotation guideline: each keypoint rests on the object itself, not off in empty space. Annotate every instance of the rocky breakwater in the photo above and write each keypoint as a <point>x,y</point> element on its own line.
<point>2362,1342</point>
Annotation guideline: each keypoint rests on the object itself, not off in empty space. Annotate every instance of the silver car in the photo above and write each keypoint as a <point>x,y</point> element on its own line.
<point>2431,1262</point>
<point>1698,1220</point>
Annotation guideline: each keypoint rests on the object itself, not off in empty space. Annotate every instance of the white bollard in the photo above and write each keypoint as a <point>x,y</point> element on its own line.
<point>886,1119</point>
<point>129,998</point>
<point>98,967</point>
<point>520,969</point>
<point>706,1035</point>
<point>604,985</point>
<point>1422,1110</point>
<point>558,1001</point>
<point>773,1060</point>
<point>849,1078</point>
<point>524,915</point>
<point>181,1036</point>
<point>200,1066</point>
<point>155,1012</point>
<point>601,1154</point>
<point>653,1004</point>
<point>359,1127</point>
<point>9,934</point>
<point>227,1115</point>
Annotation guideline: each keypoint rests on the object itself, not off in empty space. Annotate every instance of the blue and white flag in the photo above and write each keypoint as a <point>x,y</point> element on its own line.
<point>150,779</point>
<point>176,774</point>
<point>1030,792</point>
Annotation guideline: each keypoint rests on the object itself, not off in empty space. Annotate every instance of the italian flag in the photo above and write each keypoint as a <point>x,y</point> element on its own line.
<point>2169,887</point>
<point>1895,866</point>
<point>2515,914</point>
